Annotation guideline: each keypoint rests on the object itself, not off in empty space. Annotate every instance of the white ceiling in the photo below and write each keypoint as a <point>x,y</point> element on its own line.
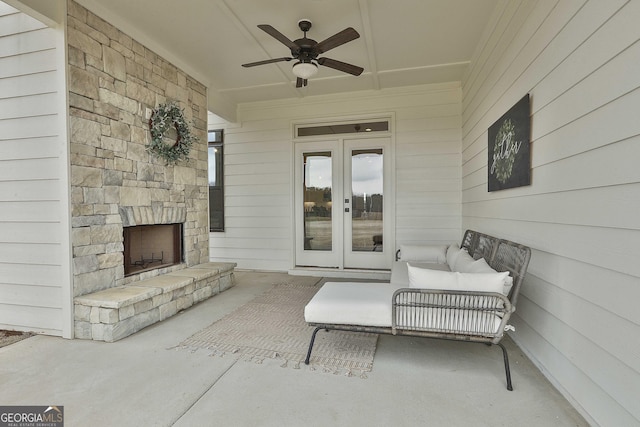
<point>402,42</point>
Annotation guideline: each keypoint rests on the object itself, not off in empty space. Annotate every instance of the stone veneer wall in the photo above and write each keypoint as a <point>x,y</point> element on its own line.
<point>115,181</point>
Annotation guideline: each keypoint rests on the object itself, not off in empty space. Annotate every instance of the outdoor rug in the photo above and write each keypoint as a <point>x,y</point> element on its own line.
<point>272,326</point>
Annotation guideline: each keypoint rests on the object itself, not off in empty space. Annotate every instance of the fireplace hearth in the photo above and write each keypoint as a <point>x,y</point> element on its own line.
<point>148,247</point>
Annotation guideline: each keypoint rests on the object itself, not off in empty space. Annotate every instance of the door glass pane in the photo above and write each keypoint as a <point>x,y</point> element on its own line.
<point>366,200</point>
<point>317,201</point>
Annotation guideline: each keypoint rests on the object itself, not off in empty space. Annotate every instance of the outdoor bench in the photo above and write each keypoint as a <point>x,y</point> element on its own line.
<point>464,294</point>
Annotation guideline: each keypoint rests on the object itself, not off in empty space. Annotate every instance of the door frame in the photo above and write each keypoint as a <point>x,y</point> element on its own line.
<point>390,221</point>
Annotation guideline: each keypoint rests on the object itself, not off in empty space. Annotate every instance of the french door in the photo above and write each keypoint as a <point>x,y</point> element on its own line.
<point>342,203</point>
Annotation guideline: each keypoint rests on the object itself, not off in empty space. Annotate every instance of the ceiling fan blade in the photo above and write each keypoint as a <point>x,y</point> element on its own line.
<point>336,40</point>
<point>301,82</point>
<point>279,36</point>
<point>341,66</point>
<point>267,61</point>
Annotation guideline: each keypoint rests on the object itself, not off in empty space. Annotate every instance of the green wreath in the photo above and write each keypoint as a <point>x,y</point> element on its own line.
<point>162,120</point>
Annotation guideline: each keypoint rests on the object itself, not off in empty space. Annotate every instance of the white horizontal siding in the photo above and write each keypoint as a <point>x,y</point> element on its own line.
<point>29,232</point>
<point>259,158</point>
<point>556,351</point>
<point>29,317</point>
<point>14,22</point>
<point>28,191</point>
<point>35,283</point>
<point>257,207</point>
<point>26,169</point>
<point>26,42</point>
<point>26,106</point>
<point>29,63</point>
<point>28,84</point>
<point>40,274</point>
<point>36,211</point>
<point>428,174</point>
<point>577,317</point>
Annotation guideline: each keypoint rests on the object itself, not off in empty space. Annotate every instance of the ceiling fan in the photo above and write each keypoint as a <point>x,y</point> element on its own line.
<point>306,52</point>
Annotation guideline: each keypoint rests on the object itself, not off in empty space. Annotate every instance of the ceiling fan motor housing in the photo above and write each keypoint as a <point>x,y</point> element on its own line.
<point>305,52</point>
<point>304,25</point>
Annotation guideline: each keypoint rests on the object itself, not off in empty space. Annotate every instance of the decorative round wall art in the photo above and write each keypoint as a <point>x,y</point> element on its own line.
<point>171,136</point>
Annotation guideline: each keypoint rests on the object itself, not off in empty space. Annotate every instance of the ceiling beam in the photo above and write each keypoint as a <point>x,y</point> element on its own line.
<point>233,17</point>
<point>365,17</point>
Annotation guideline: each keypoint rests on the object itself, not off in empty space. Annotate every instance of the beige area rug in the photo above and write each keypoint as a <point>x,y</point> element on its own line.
<point>272,326</point>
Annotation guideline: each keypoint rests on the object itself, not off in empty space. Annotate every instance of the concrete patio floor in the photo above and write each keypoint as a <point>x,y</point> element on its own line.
<point>141,381</point>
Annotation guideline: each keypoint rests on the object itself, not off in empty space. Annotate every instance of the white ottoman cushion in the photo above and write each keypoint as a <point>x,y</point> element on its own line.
<point>351,303</point>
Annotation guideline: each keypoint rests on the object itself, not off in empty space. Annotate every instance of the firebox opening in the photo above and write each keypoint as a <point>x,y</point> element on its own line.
<point>147,247</point>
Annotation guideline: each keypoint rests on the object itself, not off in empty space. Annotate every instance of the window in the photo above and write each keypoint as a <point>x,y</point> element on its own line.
<point>216,184</point>
<point>342,128</point>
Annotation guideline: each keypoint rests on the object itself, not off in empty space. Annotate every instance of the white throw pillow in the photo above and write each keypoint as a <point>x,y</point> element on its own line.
<point>481,266</point>
<point>455,281</point>
<point>431,279</point>
<point>452,252</point>
<point>463,262</point>
<point>484,282</point>
<point>423,253</point>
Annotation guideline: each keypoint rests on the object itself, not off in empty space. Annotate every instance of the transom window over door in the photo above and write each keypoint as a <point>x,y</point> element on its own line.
<point>342,128</point>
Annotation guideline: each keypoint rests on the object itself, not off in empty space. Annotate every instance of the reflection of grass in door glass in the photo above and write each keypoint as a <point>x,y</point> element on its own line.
<point>363,232</point>
<point>319,230</point>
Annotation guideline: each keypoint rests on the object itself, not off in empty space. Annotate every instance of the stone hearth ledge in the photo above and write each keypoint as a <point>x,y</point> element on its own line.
<point>116,313</point>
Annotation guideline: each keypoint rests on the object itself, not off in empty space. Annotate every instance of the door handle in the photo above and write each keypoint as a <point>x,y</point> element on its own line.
<point>346,209</point>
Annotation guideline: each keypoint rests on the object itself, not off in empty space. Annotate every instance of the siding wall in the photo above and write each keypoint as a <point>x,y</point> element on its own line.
<point>577,317</point>
<point>34,237</point>
<point>259,162</point>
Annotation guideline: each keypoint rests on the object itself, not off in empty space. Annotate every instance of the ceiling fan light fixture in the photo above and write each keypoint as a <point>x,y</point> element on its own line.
<point>304,70</point>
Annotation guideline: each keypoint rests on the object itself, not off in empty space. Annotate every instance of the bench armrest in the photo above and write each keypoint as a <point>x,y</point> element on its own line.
<point>455,313</point>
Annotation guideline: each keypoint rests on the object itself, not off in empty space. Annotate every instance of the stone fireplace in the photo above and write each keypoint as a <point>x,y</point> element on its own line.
<point>118,188</point>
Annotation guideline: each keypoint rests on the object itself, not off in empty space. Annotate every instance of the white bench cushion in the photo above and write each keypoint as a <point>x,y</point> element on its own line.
<point>351,303</point>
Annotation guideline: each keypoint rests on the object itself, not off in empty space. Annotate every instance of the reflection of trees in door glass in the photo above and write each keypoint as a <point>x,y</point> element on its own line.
<point>367,199</point>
